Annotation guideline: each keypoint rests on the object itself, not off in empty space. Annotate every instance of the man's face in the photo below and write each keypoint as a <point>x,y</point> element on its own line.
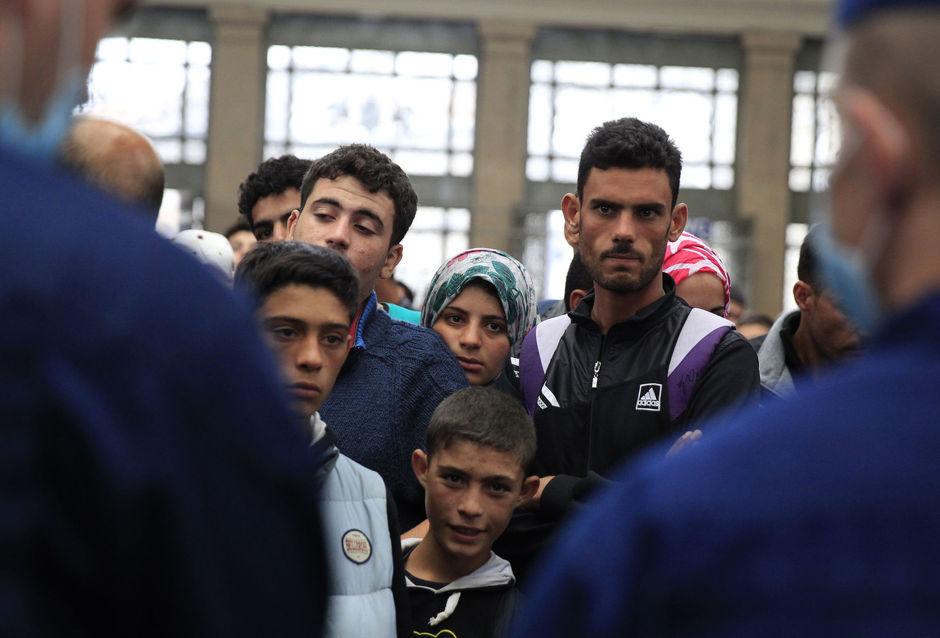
<point>470,494</point>
<point>309,330</point>
<point>341,214</point>
<point>270,214</point>
<point>624,219</point>
<point>241,242</point>
<point>831,331</point>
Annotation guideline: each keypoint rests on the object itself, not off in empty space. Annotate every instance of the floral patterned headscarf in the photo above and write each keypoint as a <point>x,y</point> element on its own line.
<point>510,278</point>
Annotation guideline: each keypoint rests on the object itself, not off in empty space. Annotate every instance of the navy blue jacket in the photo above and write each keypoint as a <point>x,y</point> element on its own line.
<point>819,515</point>
<point>380,407</point>
<point>152,480</point>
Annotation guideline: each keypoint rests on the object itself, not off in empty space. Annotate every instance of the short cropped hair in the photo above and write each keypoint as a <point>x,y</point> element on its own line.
<point>376,171</point>
<point>487,417</point>
<point>272,177</point>
<point>630,143</point>
<point>270,266</point>
<point>807,267</point>
<point>578,278</point>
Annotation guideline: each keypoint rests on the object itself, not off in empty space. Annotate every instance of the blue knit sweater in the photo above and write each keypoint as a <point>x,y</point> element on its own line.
<point>382,402</point>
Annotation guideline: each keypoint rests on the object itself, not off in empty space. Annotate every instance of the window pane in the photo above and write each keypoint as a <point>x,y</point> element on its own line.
<point>406,103</point>
<point>638,75</point>
<point>696,176</point>
<point>543,71</point>
<point>278,58</point>
<point>537,169</point>
<point>583,73</point>
<point>683,77</point>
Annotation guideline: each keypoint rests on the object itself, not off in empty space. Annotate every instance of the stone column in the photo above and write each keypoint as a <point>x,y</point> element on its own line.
<point>764,159</point>
<point>501,133</point>
<point>236,109</point>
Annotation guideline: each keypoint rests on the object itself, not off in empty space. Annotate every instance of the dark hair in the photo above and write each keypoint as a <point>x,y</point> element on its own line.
<point>237,227</point>
<point>376,171</point>
<point>484,416</point>
<point>630,143</point>
<point>806,267</point>
<point>270,266</point>
<point>756,318</point>
<point>578,278</point>
<point>272,177</point>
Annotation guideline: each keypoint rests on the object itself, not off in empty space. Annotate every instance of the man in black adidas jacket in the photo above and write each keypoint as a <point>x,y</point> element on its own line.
<point>597,381</point>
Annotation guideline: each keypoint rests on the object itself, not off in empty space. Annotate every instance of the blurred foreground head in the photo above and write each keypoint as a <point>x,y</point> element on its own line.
<point>117,158</point>
<point>886,183</point>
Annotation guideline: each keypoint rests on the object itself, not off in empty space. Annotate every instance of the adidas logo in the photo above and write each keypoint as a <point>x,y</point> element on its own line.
<point>649,397</point>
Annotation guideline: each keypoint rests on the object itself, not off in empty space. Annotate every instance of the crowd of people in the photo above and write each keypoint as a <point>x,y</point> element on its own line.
<point>270,439</point>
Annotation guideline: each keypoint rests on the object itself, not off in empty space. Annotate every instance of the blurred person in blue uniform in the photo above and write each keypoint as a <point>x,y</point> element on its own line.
<point>152,482</point>
<point>819,515</point>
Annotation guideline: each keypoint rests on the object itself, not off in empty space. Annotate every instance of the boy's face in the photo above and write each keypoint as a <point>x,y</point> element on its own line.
<point>309,330</point>
<point>470,494</point>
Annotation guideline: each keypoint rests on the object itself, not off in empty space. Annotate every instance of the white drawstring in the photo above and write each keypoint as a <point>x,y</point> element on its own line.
<point>449,608</point>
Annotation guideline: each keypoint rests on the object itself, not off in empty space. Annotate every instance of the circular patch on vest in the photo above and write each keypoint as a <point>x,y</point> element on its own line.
<point>356,546</point>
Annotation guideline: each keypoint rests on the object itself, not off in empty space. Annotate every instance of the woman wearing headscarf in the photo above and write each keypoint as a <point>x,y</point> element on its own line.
<point>481,302</point>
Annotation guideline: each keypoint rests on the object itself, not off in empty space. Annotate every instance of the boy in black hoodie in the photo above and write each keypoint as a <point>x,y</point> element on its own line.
<point>475,473</point>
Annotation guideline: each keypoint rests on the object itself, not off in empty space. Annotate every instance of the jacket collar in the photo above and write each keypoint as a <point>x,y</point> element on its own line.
<point>362,319</point>
<point>495,572</point>
<point>644,317</point>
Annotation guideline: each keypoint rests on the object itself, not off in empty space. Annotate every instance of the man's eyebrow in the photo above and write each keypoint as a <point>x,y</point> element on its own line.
<point>285,319</point>
<point>657,206</point>
<point>596,201</point>
<point>457,470</point>
<point>365,212</point>
<point>343,327</point>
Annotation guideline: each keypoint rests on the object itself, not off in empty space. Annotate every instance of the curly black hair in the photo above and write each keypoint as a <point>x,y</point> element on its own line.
<point>630,143</point>
<point>376,171</point>
<point>272,177</point>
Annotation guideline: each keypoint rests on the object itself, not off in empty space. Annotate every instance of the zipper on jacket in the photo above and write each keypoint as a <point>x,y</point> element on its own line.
<point>597,371</point>
<point>597,364</point>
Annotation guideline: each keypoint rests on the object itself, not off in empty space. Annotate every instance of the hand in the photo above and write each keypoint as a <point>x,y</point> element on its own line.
<point>687,440</point>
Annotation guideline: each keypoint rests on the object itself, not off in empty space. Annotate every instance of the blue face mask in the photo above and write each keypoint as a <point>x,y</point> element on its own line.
<point>42,139</point>
<point>845,271</point>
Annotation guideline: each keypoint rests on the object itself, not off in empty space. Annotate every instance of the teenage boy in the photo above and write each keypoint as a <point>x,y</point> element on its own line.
<point>307,298</point>
<point>474,473</point>
<point>360,203</point>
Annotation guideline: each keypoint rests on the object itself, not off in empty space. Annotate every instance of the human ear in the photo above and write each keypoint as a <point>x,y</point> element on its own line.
<point>884,142</point>
<point>571,209</point>
<point>419,465</point>
<point>292,223</point>
<point>392,258</point>
<point>529,487</point>
<point>575,297</point>
<point>680,216</point>
<point>803,295</point>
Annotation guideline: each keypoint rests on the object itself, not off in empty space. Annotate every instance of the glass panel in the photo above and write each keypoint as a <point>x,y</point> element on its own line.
<point>194,152</point>
<point>164,52</point>
<point>800,179</point>
<point>542,71</point>
<point>536,169</point>
<point>428,218</point>
<point>461,164</point>
<point>171,151</point>
<point>565,171</point>
<point>200,53</point>
<point>320,58</point>
<point>804,82</point>
<point>635,75</point>
<point>274,150</point>
<point>366,61</point>
<point>685,77</point>
<point>455,244</point>
<point>727,80</point>
<point>197,102</point>
<point>723,177</point>
<point>696,176</point>
<point>275,116</point>
<point>540,119</point>
<point>463,116</point>
<point>687,118</point>
<point>726,121</point>
<point>422,162</point>
<point>577,111</point>
<point>828,136</point>
<point>465,67</point>
<point>278,57</point>
<point>821,180</point>
<point>803,134</point>
<point>583,73</point>
<point>458,219</point>
<point>424,64</point>
<point>112,50</point>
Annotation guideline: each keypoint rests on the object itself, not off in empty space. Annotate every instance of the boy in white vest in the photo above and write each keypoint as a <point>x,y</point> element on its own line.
<point>480,443</point>
<point>307,296</point>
